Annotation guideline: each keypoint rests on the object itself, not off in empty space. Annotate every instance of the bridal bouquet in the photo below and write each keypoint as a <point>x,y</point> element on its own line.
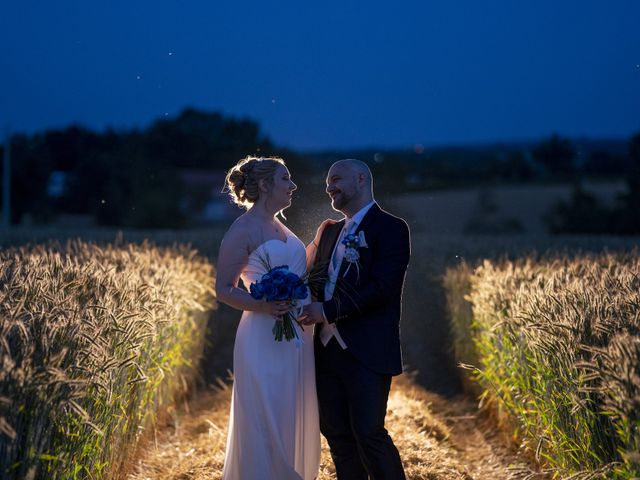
<point>280,284</point>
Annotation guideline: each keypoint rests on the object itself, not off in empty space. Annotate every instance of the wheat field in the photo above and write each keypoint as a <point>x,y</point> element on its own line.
<point>94,343</point>
<point>98,342</point>
<point>554,344</point>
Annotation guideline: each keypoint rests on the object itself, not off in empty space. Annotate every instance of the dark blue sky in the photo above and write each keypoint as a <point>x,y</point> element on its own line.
<point>328,74</point>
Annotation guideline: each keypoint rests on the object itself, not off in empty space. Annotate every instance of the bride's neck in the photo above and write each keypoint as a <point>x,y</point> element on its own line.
<point>262,212</point>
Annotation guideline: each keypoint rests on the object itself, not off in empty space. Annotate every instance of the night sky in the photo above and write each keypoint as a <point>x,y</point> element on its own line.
<point>328,74</point>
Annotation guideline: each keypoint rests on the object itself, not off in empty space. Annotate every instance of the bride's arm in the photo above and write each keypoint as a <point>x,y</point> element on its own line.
<point>232,258</point>
<point>311,249</point>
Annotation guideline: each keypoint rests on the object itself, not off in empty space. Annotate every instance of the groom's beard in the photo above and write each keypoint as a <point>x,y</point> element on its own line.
<point>338,203</point>
<point>341,200</point>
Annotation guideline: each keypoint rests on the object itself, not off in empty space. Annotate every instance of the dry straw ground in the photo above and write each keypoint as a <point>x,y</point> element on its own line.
<point>438,439</point>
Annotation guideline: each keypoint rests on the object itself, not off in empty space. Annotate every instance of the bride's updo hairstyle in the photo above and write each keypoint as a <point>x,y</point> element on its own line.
<point>242,180</point>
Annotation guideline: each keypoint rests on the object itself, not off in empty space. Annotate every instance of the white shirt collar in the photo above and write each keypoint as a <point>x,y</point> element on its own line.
<point>357,218</point>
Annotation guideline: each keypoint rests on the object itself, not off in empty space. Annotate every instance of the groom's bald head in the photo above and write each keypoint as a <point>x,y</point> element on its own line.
<point>356,167</point>
<point>350,185</point>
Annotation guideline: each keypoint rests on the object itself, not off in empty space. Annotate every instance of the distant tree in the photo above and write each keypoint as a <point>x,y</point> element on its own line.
<point>604,164</point>
<point>111,198</point>
<point>155,202</point>
<point>512,167</point>
<point>486,219</point>
<point>391,171</point>
<point>66,148</point>
<point>556,155</point>
<point>129,178</point>
<point>583,213</point>
<point>133,189</point>
<point>94,166</point>
<point>634,160</point>
<point>30,171</point>
<point>197,139</point>
<point>626,217</point>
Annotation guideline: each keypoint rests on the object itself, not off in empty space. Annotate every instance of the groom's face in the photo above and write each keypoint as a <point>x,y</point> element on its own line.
<point>342,186</point>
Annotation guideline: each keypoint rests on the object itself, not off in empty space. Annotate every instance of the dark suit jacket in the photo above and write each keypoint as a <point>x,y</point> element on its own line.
<point>366,303</point>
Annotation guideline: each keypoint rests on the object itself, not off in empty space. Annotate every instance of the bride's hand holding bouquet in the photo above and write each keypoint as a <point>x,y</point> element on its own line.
<point>282,290</point>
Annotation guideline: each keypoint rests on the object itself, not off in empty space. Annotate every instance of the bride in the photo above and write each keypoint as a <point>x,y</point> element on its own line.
<point>273,425</point>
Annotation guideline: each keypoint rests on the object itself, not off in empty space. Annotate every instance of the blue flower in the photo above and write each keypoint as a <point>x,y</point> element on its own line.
<point>279,274</point>
<point>300,292</point>
<point>257,290</point>
<point>270,291</point>
<point>279,284</point>
<point>351,241</point>
<point>283,292</point>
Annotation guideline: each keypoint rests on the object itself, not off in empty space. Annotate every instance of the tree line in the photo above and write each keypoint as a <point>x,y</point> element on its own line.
<point>585,213</point>
<point>131,178</point>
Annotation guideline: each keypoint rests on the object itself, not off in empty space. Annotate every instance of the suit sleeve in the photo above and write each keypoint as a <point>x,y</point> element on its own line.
<point>318,273</point>
<point>390,260</point>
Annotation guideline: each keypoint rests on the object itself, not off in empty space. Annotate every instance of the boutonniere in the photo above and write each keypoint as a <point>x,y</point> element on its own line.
<point>352,243</point>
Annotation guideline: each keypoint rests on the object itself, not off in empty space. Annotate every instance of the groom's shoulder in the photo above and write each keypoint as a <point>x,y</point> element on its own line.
<point>393,220</point>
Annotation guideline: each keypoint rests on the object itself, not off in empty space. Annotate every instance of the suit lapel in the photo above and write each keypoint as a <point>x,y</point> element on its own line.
<point>365,224</point>
<point>325,249</point>
<point>368,218</point>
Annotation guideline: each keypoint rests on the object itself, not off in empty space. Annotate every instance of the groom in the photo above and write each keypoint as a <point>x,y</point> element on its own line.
<point>357,341</point>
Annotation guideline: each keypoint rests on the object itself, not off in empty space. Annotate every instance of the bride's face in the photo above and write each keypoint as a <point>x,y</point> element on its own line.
<point>283,188</point>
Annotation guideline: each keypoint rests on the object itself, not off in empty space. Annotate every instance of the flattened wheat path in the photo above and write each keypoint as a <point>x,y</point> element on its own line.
<point>438,439</point>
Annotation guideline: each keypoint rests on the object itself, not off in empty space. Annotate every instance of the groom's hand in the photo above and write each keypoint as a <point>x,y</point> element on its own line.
<point>312,314</point>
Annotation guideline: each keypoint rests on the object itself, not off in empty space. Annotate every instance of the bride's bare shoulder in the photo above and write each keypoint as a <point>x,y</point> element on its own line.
<point>242,232</point>
<point>238,232</point>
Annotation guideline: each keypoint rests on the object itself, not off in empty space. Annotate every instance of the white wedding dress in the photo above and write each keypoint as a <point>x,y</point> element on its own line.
<point>274,429</point>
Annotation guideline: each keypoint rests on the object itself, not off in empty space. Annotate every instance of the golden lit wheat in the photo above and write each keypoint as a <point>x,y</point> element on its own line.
<point>556,346</point>
<point>93,342</point>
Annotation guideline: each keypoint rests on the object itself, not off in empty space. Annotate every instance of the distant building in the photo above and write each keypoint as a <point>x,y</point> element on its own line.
<point>57,187</point>
<point>57,183</point>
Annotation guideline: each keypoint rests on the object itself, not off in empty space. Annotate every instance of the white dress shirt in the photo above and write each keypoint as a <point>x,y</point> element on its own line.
<point>328,330</point>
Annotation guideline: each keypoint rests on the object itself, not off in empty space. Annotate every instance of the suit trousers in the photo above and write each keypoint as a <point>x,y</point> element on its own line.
<point>353,403</point>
